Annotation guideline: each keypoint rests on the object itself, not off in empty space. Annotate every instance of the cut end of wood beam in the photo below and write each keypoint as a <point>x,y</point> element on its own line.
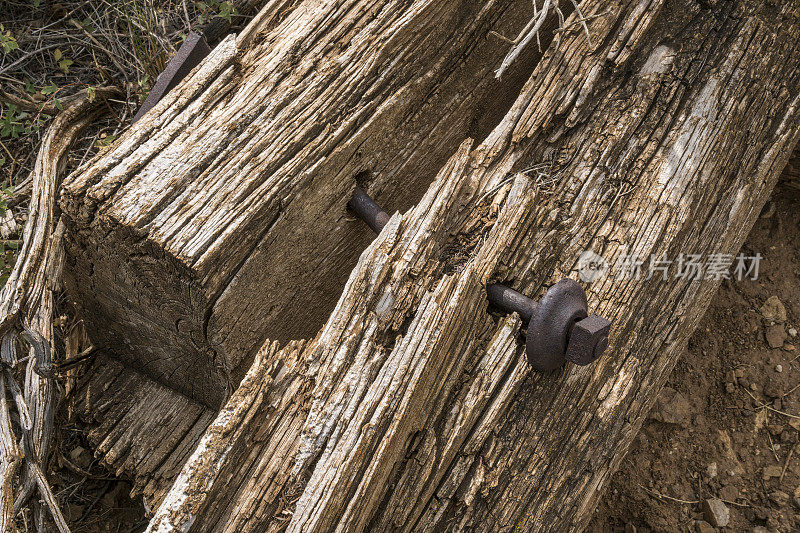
<point>219,221</point>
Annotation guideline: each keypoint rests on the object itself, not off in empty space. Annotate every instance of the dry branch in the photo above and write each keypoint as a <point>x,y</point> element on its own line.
<point>27,307</point>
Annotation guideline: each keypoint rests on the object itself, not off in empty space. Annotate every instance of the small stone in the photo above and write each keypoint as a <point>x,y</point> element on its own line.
<point>672,408</point>
<point>773,389</point>
<point>768,210</point>
<point>760,529</point>
<point>792,332</point>
<point>772,471</point>
<point>775,335</point>
<point>76,452</point>
<point>711,470</point>
<point>778,368</point>
<point>716,512</point>
<point>701,526</point>
<point>788,347</point>
<point>779,497</point>
<point>773,310</point>
<point>753,387</point>
<point>730,388</point>
<point>729,492</point>
<point>80,456</point>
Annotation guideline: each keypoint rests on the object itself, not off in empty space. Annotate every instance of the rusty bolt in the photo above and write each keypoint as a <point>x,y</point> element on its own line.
<point>366,208</point>
<point>558,327</point>
<point>588,339</point>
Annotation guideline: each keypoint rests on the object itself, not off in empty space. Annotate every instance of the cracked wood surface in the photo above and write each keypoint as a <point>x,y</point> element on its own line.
<point>138,428</point>
<point>413,408</point>
<point>219,220</point>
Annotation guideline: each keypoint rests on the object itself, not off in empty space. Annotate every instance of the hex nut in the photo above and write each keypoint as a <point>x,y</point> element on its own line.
<point>588,340</point>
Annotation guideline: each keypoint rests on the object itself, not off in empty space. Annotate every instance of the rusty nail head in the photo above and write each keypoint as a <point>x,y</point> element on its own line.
<point>588,340</point>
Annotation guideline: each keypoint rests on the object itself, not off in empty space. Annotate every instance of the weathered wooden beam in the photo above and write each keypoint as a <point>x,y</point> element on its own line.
<point>219,219</point>
<point>139,428</point>
<point>413,408</point>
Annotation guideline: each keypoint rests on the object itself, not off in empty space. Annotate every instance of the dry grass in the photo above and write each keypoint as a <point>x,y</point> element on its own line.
<point>61,48</point>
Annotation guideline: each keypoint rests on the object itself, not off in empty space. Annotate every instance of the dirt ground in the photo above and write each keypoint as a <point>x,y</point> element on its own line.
<point>722,440</point>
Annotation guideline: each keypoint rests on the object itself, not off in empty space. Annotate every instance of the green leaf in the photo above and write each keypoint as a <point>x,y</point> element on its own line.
<point>7,41</point>
<point>64,65</point>
<point>108,139</point>
<point>226,10</point>
<point>50,89</point>
<point>58,54</point>
<point>9,44</point>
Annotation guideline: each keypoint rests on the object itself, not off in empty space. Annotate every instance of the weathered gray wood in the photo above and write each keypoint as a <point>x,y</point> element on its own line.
<point>413,409</point>
<point>140,429</point>
<point>219,219</point>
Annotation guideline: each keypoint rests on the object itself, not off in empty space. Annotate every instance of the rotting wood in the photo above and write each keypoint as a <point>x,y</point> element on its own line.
<point>219,219</point>
<point>421,414</point>
<point>139,429</point>
<point>470,111</point>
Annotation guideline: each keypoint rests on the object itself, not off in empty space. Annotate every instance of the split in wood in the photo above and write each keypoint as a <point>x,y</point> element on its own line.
<point>559,326</point>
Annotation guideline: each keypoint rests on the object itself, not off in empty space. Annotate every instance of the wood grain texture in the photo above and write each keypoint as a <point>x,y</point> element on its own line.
<point>140,429</point>
<point>417,409</point>
<point>219,219</point>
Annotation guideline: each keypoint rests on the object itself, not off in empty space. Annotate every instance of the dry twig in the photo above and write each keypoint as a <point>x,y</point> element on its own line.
<point>532,29</point>
<point>27,305</point>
